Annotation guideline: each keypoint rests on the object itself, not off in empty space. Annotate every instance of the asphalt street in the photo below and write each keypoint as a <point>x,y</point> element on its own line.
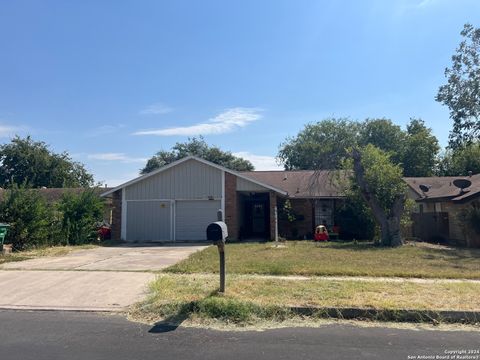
<point>47,335</point>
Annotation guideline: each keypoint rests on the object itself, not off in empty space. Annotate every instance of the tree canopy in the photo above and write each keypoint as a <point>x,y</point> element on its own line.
<point>24,161</point>
<point>385,135</point>
<point>321,145</point>
<point>200,148</point>
<point>419,150</point>
<point>461,93</point>
<point>460,161</point>
<point>325,144</point>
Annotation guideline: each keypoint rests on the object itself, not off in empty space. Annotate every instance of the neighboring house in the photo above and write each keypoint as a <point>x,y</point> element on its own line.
<point>439,214</point>
<point>178,201</point>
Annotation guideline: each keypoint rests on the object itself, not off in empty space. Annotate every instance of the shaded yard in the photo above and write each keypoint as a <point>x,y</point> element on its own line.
<point>338,259</point>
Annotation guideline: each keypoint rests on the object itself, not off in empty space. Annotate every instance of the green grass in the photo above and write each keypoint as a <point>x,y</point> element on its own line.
<point>249,298</point>
<point>337,259</point>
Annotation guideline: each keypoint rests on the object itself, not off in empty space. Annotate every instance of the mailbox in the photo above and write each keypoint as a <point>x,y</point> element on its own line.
<point>217,232</point>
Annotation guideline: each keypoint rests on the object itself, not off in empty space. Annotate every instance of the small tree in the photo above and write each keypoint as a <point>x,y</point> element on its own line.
<point>80,215</point>
<point>32,221</point>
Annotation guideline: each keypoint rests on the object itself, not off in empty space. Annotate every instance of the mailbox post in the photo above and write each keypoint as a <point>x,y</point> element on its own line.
<point>217,232</point>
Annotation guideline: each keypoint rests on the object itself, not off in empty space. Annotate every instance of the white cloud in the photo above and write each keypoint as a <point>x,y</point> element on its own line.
<point>156,109</point>
<point>227,121</point>
<point>9,130</point>
<point>116,157</point>
<point>261,162</point>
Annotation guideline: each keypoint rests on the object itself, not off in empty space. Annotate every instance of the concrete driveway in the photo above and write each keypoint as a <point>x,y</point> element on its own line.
<point>100,279</point>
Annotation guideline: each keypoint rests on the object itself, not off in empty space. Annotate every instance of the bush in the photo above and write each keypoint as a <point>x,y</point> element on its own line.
<point>80,215</point>
<point>470,217</point>
<point>354,218</point>
<point>32,222</point>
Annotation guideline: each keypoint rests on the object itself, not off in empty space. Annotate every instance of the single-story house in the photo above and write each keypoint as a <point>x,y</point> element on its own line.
<point>178,201</point>
<point>441,205</point>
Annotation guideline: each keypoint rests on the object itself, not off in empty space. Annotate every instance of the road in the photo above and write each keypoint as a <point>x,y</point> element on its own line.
<point>46,335</point>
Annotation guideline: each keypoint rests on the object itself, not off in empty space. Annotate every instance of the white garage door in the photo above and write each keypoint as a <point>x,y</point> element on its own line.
<point>149,221</point>
<point>193,217</point>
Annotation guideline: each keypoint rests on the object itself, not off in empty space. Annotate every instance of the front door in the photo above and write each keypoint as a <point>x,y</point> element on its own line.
<point>258,219</point>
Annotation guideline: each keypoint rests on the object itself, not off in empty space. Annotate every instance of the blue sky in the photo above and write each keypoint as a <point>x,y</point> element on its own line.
<point>113,82</point>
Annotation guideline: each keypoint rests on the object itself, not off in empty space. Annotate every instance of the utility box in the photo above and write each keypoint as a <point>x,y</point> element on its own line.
<point>217,232</point>
<point>3,234</point>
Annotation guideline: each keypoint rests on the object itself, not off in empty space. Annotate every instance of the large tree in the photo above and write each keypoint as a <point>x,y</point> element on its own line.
<point>32,163</point>
<point>461,93</point>
<point>377,178</point>
<point>381,185</point>
<point>321,145</point>
<point>200,148</point>
<point>419,150</point>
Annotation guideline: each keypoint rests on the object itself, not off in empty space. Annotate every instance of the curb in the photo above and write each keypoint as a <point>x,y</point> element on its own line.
<point>462,317</point>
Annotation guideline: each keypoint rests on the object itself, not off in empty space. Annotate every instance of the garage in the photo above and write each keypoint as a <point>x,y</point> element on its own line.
<point>192,218</point>
<point>149,220</point>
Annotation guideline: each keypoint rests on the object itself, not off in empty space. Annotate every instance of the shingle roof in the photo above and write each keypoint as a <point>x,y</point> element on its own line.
<point>303,184</point>
<point>443,187</point>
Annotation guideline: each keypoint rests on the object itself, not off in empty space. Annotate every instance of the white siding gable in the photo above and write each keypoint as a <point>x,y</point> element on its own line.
<point>188,180</point>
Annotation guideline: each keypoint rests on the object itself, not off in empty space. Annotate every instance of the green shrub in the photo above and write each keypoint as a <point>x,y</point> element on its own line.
<point>32,222</point>
<point>470,217</point>
<point>80,215</point>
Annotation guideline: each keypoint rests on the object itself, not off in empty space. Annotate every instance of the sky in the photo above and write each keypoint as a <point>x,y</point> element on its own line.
<point>113,82</point>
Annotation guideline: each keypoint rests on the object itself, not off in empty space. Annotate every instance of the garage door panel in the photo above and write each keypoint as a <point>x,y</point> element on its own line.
<point>149,221</point>
<point>192,218</point>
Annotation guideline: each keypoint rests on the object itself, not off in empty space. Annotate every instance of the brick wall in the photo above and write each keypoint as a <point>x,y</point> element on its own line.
<point>116,215</point>
<point>298,229</point>
<point>231,205</point>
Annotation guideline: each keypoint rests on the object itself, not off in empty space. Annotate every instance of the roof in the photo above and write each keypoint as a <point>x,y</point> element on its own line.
<point>191,157</point>
<point>442,188</point>
<point>55,194</point>
<point>304,183</point>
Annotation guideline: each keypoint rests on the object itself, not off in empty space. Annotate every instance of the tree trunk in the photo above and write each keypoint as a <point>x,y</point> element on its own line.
<point>389,222</point>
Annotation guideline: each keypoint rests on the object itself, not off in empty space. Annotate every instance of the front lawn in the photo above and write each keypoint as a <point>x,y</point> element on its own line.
<point>338,259</point>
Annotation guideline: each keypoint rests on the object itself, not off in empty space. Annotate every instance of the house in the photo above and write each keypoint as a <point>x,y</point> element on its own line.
<point>178,201</point>
<point>441,205</point>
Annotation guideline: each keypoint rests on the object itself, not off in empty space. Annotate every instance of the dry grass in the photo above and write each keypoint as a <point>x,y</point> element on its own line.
<point>317,292</point>
<point>252,296</point>
<point>338,259</point>
<point>40,252</point>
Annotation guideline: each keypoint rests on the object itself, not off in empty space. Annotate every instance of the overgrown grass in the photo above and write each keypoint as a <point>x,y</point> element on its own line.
<point>249,298</point>
<point>337,259</point>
